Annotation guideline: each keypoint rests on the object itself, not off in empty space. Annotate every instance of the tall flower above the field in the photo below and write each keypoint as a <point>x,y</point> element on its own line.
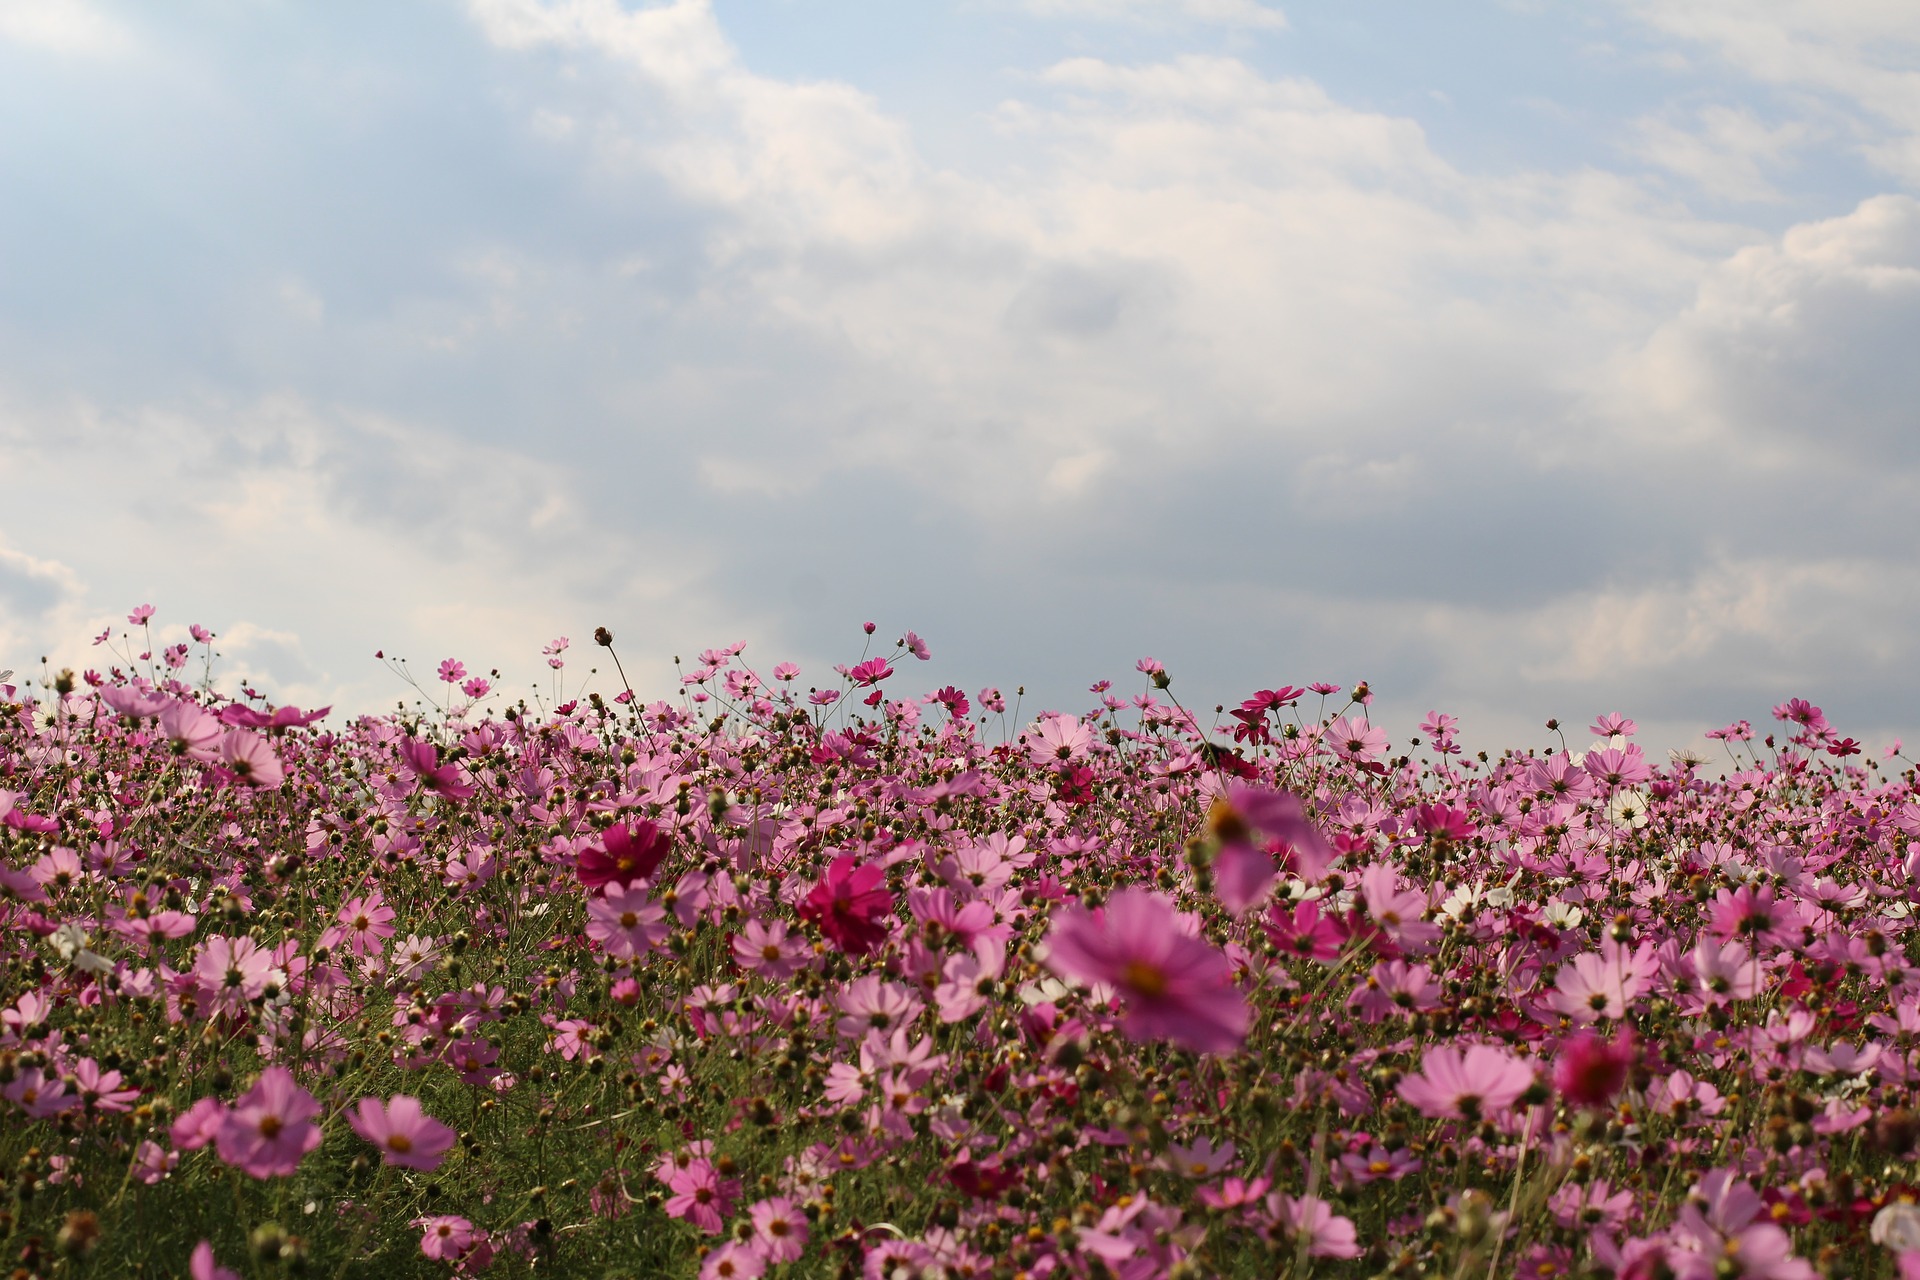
<point>1056,737</point>
<point>623,855</point>
<point>1467,1085</point>
<point>1173,986</point>
<point>849,905</point>
<point>271,1128</point>
<point>1251,824</point>
<point>1355,740</point>
<point>406,1135</point>
<point>190,730</point>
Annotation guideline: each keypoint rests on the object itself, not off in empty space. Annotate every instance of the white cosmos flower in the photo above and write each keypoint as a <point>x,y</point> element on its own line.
<point>1564,915</point>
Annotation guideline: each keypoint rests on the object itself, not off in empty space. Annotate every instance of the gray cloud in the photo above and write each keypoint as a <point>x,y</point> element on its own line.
<point>584,320</point>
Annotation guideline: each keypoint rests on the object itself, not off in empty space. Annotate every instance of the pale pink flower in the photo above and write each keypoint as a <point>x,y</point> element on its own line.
<point>447,1236</point>
<point>270,1129</point>
<point>779,1229</point>
<point>406,1135</point>
<point>1466,1085</point>
<point>1327,1234</point>
<point>251,758</point>
<point>1173,986</point>
<point>626,922</point>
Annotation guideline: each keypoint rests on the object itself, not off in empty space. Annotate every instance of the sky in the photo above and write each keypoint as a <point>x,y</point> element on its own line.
<point>1524,359</point>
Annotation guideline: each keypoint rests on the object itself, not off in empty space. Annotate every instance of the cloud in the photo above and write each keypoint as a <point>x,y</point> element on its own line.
<point>1726,152</point>
<point>61,26</point>
<point>1248,14</point>
<point>1801,345</point>
<point>589,318</point>
<point>347,531</point>
<point>1861,53</point>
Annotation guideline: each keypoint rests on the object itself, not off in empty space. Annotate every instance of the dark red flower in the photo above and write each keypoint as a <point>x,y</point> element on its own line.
<point>622,855</point>
<point>849,905</point>
<point>983,1180</point>
<point>1589,1070</point>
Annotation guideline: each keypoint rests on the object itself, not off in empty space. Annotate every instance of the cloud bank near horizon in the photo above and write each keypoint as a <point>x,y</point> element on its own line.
<point>1245,338</point>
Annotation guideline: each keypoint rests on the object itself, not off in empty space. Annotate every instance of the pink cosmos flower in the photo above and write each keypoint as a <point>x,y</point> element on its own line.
<point>1618,766</point>
<point>735,1261</point>
<point>1755,915</point>
<point>447,1237</point>
<point>38,1094</point>
<point>1725,972</point>
<point>1375,1163</point>
<point>251,758</point>
<point>368,921</point>
<point>277,721</point>
<point>1603,985</point>
<point>1595,1206</point>
<point>1723,1232</point>
<point>236,970</point>
<point>1174,986</point>
<point>1466,1085</point>
<point>779,1229</point>
<point>1251,824</point>
<point>701,1196</point>
<point>850,906</point>
<point>422,761</point>
<point>406,1135</point>
<point>1394,987</point>
<point>1355,740</point>
<point>769,950</point>
<point>1057,737</point>
<point>132,702</point>
<point>199,1124</point>
<point>201,1265</point>
<point>270,1129</point>
<point>191,730</point>
<point>100,1089</point>
<point>1399,912</point>
<point>626,922</point>
<point>1327,1234</point>
<point>452,671</point>
<point>623,855</point>
<point>152,1162</point>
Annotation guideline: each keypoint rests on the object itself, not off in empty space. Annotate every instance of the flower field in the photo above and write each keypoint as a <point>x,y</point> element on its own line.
<point>843,979</point>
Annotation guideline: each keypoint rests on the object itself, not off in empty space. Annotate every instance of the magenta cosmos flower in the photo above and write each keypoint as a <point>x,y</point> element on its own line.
<point>622,855</point>
<point>1589,1070</point>
<point>850,906</point>
<point>271,1128</point>
<point>406,1135</point>
<point>1468,1085</point>
<point>1174,987</point>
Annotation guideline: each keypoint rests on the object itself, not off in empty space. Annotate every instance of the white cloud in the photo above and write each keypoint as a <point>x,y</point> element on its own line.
<point>341,531</point>
<point>61,26</point>
<point>1865,53</point>
<point>1726,152</point>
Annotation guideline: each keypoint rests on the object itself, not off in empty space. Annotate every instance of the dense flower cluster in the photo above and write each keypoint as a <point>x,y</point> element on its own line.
<point>759,980</point>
